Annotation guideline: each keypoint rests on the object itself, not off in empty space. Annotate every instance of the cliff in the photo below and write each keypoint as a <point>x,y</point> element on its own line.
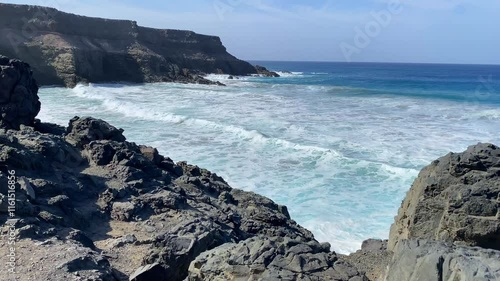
<point>64,49</point>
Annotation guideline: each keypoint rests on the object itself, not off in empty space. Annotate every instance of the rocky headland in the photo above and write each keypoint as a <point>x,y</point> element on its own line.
<point>90,205</point>
<point>65,49</point>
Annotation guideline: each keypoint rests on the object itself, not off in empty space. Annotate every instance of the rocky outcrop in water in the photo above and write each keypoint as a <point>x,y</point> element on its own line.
<point>65,49</point>
<point>19,103</point>
<point>262,71</point>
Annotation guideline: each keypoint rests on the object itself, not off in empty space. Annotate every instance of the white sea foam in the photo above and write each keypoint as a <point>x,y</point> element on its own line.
<point>341,162</point>
<point>490,114</point>
<point>286,74</point>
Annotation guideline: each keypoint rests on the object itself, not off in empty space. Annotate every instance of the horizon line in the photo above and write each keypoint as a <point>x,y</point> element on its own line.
<point>375,62</point>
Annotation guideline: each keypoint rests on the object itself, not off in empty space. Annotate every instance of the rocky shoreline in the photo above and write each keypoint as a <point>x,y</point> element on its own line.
<point>92,206</point>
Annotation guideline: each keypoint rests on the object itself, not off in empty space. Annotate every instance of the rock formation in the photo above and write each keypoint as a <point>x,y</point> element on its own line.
<point>262,71</point>
<point>448,226</point>
<point>372,258</point>
<point>455,199</point>
<point>124,210</point>
<point>274,258</point>
<point>19,102</point>
<point>65,49</point>
<point>420,260</point>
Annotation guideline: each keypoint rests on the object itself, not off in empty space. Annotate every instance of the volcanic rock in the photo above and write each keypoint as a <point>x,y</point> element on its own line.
<point>66,49</point>
<point>19,103</point>
<point>455,199</point>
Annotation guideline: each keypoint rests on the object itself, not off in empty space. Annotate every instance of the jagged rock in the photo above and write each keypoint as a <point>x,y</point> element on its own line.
<point>265,72</point>
<point>82,131</point>
<point>372,259</point>
<point>26,187</point>
<point>48,128</point>
<point>19,103</point>
<point>420,260</point>
<point>152,154</point>
<point>455,199</point>
<point>272,258</point>
<point>93,188</point>
<point>67,49</point>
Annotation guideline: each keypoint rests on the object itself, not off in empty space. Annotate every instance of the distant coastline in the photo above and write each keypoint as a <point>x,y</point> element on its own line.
<point>67,49</point>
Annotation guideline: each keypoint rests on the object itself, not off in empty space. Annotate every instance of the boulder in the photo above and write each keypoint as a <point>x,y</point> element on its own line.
<point>19,102</point>
<point>82,131</point>
<point>272,258</point>
<point>455,199</point>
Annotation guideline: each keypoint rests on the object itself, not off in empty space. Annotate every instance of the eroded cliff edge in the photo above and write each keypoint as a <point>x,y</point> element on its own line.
<point>65,49</point>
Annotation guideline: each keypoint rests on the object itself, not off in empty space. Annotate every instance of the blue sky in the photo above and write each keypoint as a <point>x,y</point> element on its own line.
<point>439,31</point>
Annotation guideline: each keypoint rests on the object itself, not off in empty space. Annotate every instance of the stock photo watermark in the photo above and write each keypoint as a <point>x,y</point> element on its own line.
<point>223,7</point>
<point>9,235</point>
<point>485,88</point>
<point>364,35</point>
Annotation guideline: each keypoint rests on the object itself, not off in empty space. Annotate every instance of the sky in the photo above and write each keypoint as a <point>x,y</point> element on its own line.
<point>421,31</point>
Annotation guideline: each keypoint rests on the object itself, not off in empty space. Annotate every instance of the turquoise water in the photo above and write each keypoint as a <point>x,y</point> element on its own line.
<point>339,144</point>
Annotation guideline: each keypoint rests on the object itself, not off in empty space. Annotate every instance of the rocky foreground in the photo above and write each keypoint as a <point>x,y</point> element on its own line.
<point>92,206</point>
<point>65,49</point>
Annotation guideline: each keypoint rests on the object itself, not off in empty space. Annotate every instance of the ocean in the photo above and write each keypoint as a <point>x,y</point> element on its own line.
<point>338,143</point>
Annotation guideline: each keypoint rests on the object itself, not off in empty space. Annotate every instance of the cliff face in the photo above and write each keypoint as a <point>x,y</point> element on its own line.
<point>64,49</point>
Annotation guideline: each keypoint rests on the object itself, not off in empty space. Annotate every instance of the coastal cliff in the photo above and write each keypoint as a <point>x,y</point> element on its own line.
<point>65,49</point>
<point>89,205</point>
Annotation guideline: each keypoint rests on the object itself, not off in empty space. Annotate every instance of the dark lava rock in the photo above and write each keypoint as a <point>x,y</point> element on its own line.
<point>82,131</point>
<point>272,258</point>
<point>455,199</point>
<point>421,260</point>
<point>19,103</point>
<point>90,188</point>
<point>372,259</point>
<point>265,72</point>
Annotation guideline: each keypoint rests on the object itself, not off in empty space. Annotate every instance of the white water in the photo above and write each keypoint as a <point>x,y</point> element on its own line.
<point>342,164</point>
